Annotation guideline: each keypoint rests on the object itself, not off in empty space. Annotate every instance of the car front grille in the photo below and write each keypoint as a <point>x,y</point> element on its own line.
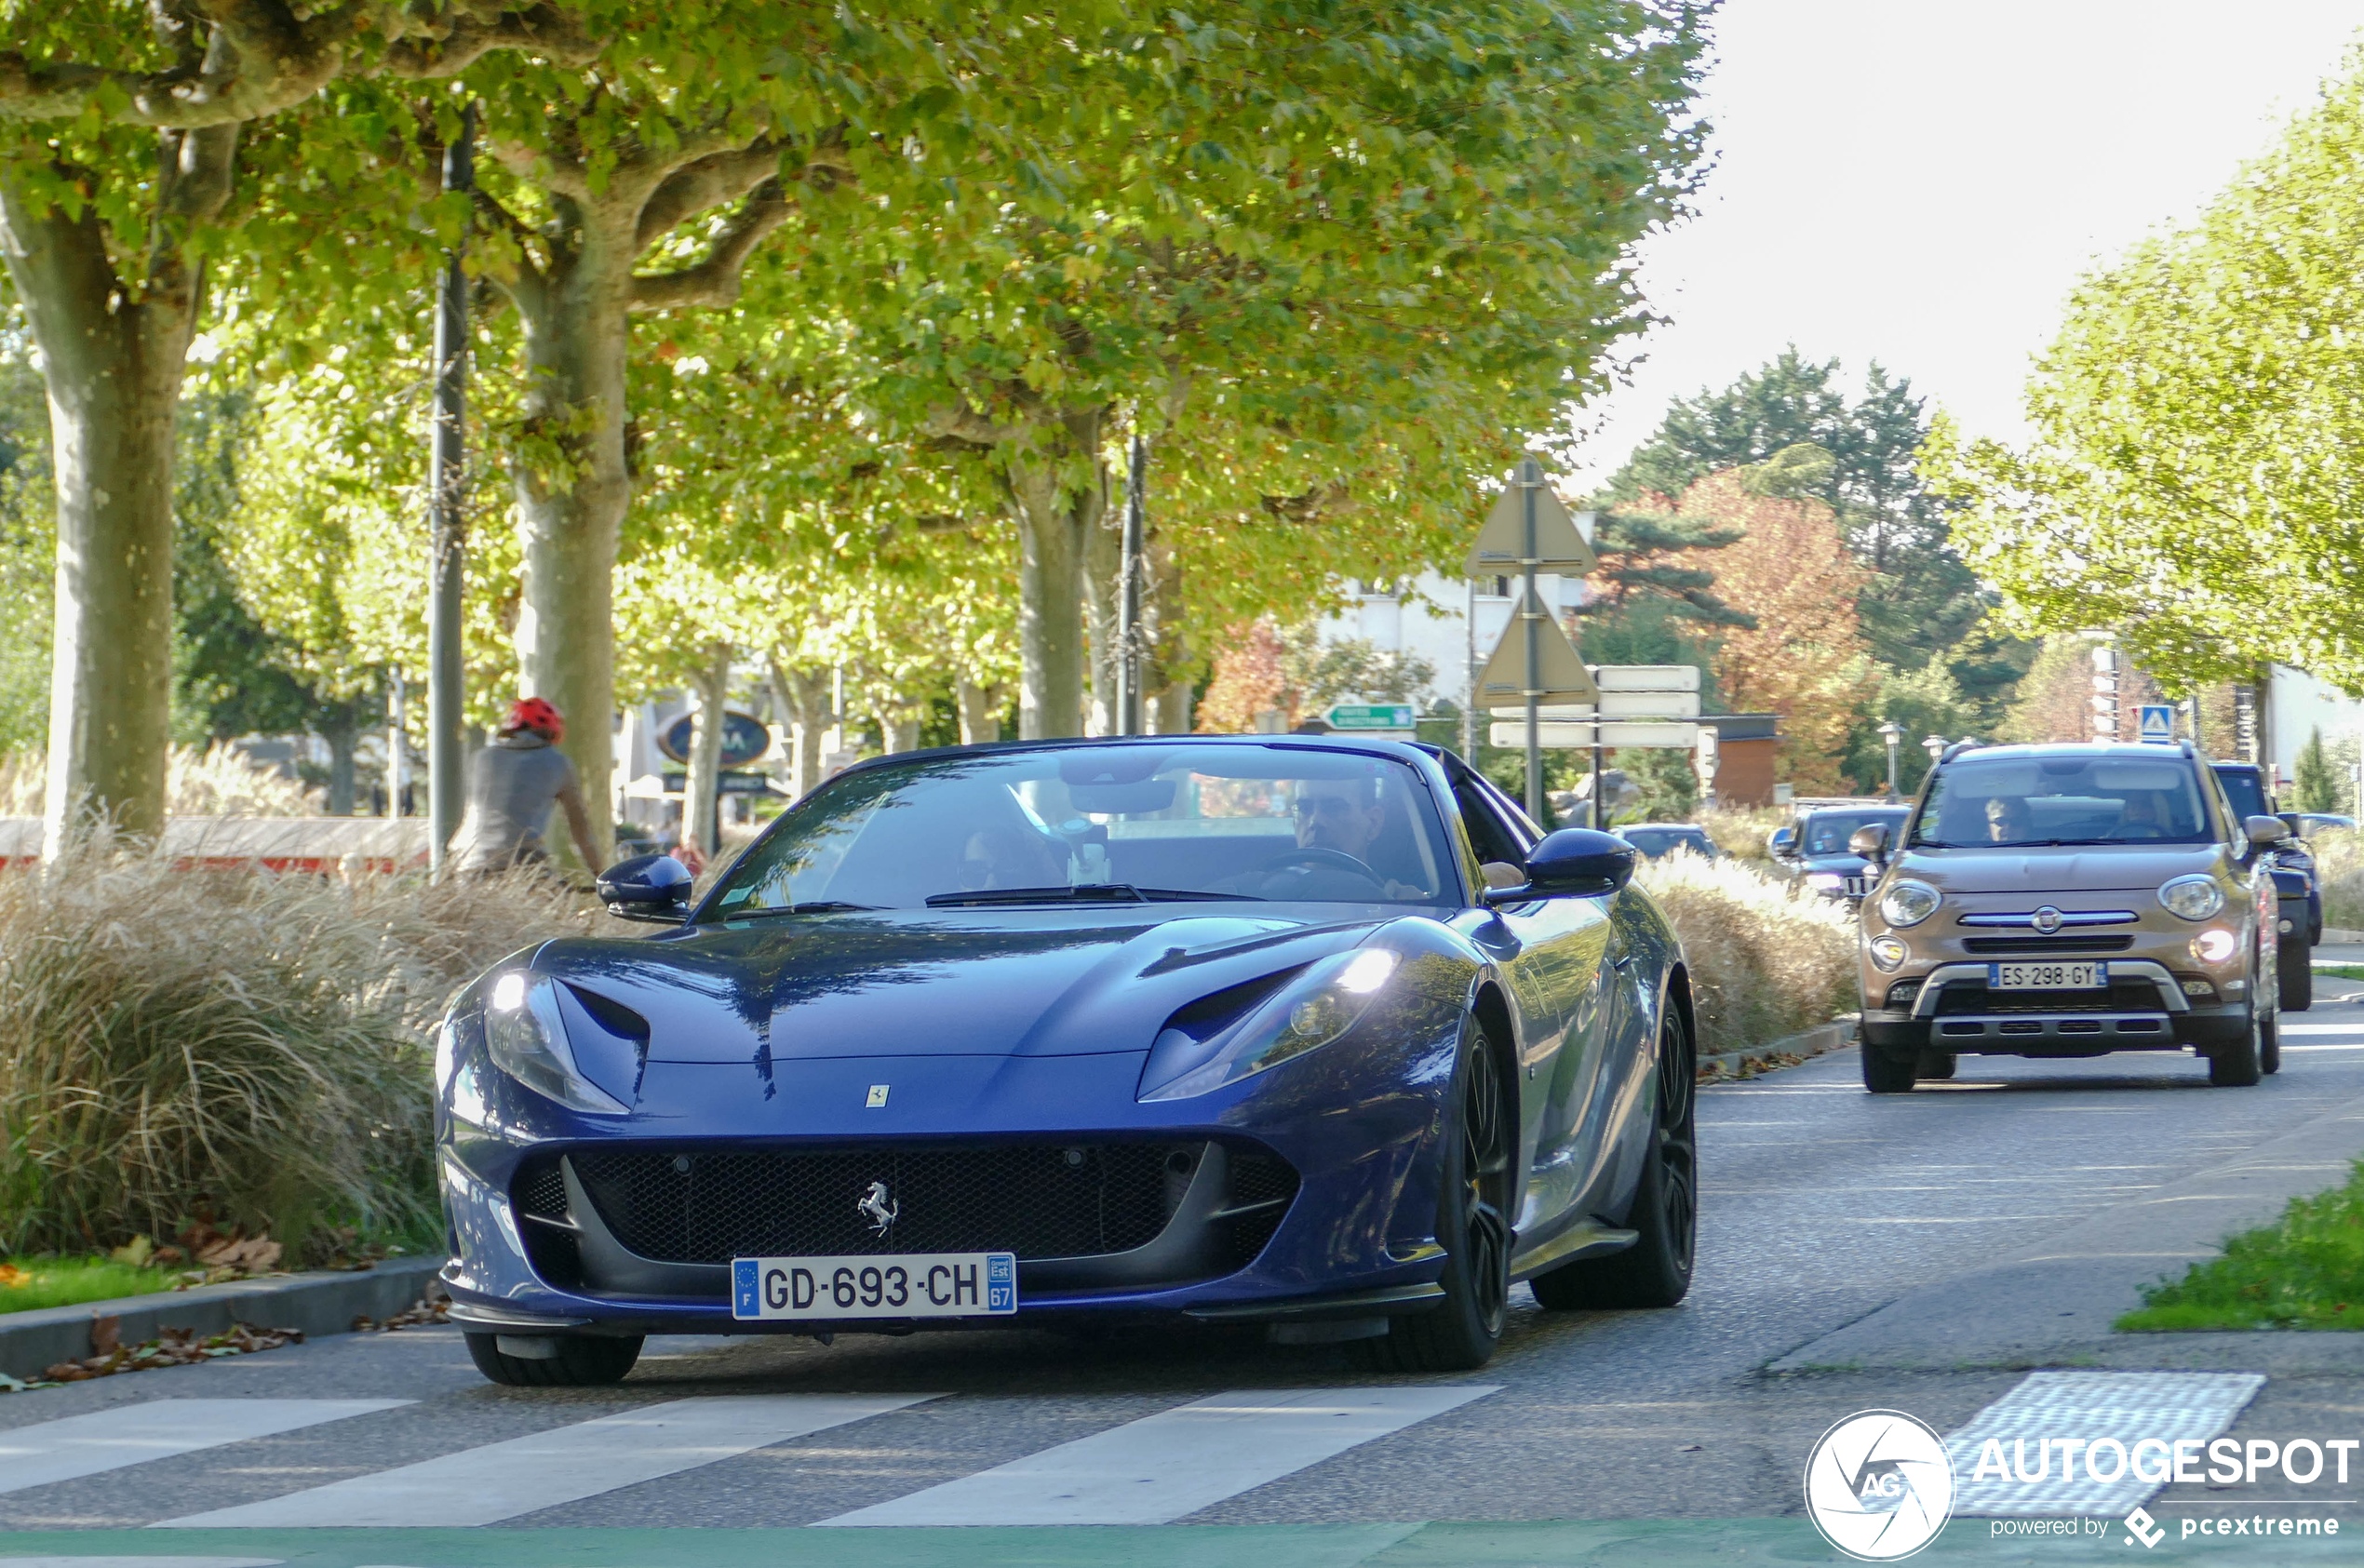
<point>2124,994</point>
<point>1037,1200</point>
<point>2040,947</point>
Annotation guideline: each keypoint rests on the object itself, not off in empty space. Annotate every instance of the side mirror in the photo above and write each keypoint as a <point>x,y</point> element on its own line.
<point>654,888</point>
<point>1870,841</point>
<point>1782,843</point>
<point>2290,820</point>
<point>2266,832</point>
<point>1573,862</point>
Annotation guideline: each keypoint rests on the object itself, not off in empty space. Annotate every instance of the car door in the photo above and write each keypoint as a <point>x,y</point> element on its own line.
<point>1552,953</point>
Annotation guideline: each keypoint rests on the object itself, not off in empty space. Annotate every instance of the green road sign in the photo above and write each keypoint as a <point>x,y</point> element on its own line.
<point>1372,715</point>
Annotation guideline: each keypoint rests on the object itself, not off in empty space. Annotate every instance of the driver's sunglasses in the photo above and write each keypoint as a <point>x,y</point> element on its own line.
<point>1324,805</point>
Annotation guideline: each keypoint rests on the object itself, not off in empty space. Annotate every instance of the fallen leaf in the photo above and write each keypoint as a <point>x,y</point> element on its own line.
<point>10,1276</point>
<point>106,1335</point>
<point>135,1251</point>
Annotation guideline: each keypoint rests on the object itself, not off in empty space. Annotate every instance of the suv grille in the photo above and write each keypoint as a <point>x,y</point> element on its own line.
<point>1040,1200</point>
<point>2044,946</point>
<point>2123,995</point>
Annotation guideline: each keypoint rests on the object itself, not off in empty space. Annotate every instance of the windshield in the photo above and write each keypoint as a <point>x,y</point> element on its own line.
<point>2244,792</point>
<point>1657,841</point>
<point>1102,824</point>
<point>2063,801</point>
<point>1826,833</point>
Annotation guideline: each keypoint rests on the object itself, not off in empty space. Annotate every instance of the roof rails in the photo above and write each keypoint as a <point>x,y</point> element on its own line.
<point>1958,748</point>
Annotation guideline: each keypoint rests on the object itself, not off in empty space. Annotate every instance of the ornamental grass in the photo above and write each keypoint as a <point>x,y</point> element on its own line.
<point>240,1047</point>
<point>1767,959</point>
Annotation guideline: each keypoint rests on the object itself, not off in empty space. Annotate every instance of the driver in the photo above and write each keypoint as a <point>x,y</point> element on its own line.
<point>1334,817</point>
<point>2007,820</point>
<point>2141,817</point>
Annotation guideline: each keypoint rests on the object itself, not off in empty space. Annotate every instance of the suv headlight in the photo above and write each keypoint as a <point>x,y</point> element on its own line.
<point>1908,903</point>
<point>1323,1004</point>
<point>526,1040</point>
<point>2194,898</point>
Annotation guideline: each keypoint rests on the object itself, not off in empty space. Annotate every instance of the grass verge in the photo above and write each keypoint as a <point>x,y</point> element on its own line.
<point>29,1284</point>
<point>2303,1271</point>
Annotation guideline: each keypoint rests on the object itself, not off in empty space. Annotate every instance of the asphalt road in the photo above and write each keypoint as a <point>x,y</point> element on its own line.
<point>1821,1206</point>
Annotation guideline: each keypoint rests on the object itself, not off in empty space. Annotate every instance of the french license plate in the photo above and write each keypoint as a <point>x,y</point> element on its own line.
<point>912,1285</point>
<point>2047,977</point>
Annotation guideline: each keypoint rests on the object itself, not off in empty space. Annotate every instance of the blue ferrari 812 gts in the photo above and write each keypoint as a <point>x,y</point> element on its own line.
<point>1308,1032</point>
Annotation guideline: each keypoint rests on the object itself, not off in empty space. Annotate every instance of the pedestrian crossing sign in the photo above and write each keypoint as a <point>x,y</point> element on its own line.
<point>2158,724</point>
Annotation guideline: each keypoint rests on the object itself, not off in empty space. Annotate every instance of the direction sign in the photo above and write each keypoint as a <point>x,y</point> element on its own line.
<point>1578,734</point>
<point>1563,675</point>
<point>1648,678</point>
<point>1502,544</point>
<point>1617,705</point>
<point>1372,715</point>
<point>2158,724</point>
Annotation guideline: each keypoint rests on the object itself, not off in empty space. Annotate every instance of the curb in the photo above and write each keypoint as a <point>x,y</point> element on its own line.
<point>2340,934</point>
<point>1823,1037</point>
<point>316,1304</point>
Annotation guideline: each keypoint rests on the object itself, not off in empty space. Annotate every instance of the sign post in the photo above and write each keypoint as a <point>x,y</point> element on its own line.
<point>447,527</point>
<point>1368,718</point>
<point>1529,525</point>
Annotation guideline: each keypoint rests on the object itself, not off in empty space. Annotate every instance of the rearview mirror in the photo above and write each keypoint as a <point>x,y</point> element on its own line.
<point>1870,841</point>
<point>2267,832</point>
<point>1573,862</point>
<point>1785,839</point>
<point>653,888</point>
<point>2290,820</point>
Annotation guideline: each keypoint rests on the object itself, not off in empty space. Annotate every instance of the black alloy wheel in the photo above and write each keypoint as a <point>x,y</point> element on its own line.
<point>1656,1270</point>
<point>581,1362</point>
<point>1459,1334</point>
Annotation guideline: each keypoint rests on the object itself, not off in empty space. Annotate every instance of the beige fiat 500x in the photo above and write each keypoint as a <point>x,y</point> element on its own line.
<point>2068,900</point>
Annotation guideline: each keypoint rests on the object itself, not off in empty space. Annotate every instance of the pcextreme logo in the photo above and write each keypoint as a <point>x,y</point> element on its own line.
<point>1879,1485</point>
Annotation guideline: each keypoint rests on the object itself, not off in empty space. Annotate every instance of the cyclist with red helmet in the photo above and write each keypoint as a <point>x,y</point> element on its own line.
<point>512,785</point>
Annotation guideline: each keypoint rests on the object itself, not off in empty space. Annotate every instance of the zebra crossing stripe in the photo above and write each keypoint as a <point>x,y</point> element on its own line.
<point>1162,1467</point>
<point>2124,1407</point>
<point>74,1446</point>
<point>565,1465</point>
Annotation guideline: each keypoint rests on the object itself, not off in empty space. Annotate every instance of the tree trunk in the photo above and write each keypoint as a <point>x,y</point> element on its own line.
<point>805,692</point>
<point>343,737</point>
<point>1104,604</point>
<point>113,366</point>
<point>701,792</point>
<point>980,711</point>
<point>1165,656</point>
<point>573,491</point>
<point>1056,516</point>
<point>902,732</point>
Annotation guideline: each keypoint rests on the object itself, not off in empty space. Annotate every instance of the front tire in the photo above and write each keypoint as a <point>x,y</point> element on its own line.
<point>1938,1065</point>
<point>580,1362</point>
<point>1460,1332</point>
<point>2239,1066</point>
<point>1887,1074</point>
<point>2294,969</point>
<point>1656,1270</point>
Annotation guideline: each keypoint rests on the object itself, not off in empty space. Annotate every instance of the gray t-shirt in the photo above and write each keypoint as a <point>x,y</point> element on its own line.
<point>512,785</point>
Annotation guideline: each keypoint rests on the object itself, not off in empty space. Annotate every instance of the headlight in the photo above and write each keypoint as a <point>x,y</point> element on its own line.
<point>2194,898</point>
<point>2214,946</point>
<point>1323,1004</point>
<point>447,1045</point>
<point>527,1041</point>
<point>1909,902</point>
<point>1887,952</point>
<point>1827,881</point>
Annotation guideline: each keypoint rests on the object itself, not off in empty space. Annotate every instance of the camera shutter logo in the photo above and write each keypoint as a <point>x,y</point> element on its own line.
<point>1879,1485</point>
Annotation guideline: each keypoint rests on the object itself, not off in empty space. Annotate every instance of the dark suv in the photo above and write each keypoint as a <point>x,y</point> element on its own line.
<point>2069,900</point>
<point>2294,882</point>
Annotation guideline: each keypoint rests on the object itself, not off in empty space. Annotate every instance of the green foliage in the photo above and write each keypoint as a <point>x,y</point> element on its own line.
<point>2315,784</point>
<point>1669,783</point>
<point>2191,481</point>
<point>1925,702</point>
<point>1352,669</point>
<point>27,1283</point>
<point>2304,1272</point>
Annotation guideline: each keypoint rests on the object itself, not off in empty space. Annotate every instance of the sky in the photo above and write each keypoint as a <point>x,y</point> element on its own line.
<point>1923,184</point>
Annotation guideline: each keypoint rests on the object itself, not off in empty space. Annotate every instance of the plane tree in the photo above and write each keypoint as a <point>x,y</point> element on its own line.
<point>123,129</point>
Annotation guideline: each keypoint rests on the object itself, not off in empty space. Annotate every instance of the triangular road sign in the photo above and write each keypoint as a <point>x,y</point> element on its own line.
<point>1564,678</point>
<point>1500,550</point>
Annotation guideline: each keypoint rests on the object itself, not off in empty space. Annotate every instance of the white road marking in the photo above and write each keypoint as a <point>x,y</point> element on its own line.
<point>1156,1469</point>
<point>2127,1406</point>
<point>2322,1028</point>
<point>141,1561</point>
<point>524,1475</point>
<point>74,1446</point>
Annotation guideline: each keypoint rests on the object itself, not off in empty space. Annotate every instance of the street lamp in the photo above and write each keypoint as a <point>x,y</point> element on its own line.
<point>1935,745</point>
<point>1891,731</point>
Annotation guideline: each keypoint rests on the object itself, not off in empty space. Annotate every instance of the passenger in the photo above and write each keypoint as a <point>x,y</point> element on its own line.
<point>512,785</point>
